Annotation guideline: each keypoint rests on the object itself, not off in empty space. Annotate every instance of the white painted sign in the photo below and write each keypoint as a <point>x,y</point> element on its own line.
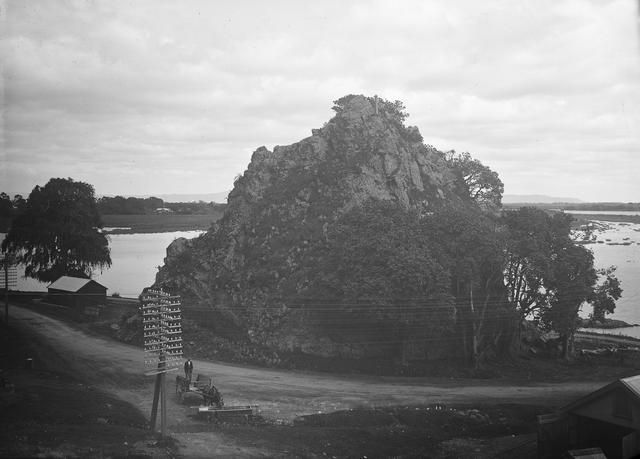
<point>162,327</point>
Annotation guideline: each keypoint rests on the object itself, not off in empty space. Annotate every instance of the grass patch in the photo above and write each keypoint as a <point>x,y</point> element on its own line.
<point>46,412</point>
<point>158,223</point>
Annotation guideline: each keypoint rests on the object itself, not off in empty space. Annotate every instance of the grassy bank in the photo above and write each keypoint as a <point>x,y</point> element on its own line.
<point>47,411</point>
<point>583,218</point>
<point>154,223</point>
<point>147,223</point>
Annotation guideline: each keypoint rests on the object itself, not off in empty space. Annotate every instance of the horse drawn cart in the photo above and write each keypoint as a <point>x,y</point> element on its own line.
<point>203,386</point>
<point>213,408</point>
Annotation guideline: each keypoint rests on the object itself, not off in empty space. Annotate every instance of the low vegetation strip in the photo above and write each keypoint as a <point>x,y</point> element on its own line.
<point>581,217</point>
<point>157,223</point>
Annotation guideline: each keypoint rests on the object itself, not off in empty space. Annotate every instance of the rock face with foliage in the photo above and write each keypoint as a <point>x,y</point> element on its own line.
<point>325,246</point>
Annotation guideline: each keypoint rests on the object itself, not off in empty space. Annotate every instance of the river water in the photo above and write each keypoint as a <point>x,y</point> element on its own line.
<point>619,244</point>
<point>136,258</point>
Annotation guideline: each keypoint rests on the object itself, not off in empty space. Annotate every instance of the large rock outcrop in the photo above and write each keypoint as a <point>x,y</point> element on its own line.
<point>285,203</point>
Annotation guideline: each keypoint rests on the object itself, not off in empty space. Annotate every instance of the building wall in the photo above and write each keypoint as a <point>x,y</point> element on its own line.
<point>603,409</point>
<point>89,295</point>
<point>60,297</point>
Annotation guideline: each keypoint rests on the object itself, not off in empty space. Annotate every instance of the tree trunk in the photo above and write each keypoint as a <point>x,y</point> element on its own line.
<point>475,354</point>
<point>566,346</point>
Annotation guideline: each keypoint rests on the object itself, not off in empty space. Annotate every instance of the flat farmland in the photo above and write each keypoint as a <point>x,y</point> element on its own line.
<point>157,223</point>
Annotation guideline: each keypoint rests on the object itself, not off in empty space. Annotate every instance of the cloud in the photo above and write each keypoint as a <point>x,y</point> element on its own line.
<point>117,92</point>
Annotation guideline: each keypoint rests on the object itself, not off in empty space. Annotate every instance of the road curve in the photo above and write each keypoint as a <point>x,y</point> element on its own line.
<point>279,394</point>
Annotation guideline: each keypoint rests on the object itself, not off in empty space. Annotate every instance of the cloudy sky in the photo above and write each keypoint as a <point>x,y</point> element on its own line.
<point>156,97</point>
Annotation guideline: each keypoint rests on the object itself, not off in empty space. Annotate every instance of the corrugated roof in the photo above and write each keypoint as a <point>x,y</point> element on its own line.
<point>70,284</point>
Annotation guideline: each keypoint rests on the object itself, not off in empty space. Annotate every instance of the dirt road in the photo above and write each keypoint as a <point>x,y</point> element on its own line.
<point>280,395</point>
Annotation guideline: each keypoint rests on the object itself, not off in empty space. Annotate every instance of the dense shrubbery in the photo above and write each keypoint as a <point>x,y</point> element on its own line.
<point>119,205</point>
<point>128,206</point>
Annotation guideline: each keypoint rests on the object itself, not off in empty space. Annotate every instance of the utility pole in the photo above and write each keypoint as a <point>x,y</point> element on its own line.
<point>162,326</point>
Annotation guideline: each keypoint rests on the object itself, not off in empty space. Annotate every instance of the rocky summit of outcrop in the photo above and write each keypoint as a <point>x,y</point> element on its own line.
<point>235,277</point>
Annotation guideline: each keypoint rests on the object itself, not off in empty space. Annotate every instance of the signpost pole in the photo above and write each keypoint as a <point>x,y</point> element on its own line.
<point>154,406</point>
<point>163,401</point>
<point>162,325</point>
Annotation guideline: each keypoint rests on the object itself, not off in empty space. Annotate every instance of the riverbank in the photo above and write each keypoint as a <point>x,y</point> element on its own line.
<point>586,217</point>
<point>147,223</point>
<point>157,223</point>
<point>605,324</point>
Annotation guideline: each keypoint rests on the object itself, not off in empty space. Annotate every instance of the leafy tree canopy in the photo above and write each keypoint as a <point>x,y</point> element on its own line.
<point>58,232</point>
<point>472,250</point>
<point>529,254</point>
<point>396,109</point>
<point>483,184</point>
<point>550,276</point>
<point>605,294</point>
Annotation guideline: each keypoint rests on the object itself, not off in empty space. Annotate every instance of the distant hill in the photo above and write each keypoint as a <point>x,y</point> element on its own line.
<point>535,198</point>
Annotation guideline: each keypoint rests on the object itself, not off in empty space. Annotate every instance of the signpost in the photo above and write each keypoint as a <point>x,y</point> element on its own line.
<point>162,324</point>
<point>9,279</point>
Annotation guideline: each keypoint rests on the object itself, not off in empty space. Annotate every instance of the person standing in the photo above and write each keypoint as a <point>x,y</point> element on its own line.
<point>188,369</point>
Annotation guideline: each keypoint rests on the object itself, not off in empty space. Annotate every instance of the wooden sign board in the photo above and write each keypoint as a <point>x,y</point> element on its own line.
<point>162,328</point>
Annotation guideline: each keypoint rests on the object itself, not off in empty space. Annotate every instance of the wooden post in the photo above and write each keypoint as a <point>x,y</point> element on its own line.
<point>154,407</point>
<point>162,332</point>
<point>163,401</point>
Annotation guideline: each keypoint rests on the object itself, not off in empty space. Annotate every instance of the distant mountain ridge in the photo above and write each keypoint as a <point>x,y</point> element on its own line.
<point>535,198</point>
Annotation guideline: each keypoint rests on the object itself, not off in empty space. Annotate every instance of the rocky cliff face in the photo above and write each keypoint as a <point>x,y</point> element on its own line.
<point>285,203</point>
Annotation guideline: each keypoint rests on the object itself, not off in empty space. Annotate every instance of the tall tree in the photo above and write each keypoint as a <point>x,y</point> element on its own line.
<point>6,206</point>
<point>528,265</point>
<point>549,276</point>
<point>571,284</point>
<point>483,184</point>
<point>58,232</point>
<point>18,203</point>
<point>605,293</point>
<point>473,253</point>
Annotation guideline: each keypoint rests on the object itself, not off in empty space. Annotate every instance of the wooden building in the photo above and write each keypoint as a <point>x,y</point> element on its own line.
<point>77,292</point>
<point>608,418</point>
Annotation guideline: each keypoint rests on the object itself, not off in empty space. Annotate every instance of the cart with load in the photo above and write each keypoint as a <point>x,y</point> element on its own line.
<point>213,409</point>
